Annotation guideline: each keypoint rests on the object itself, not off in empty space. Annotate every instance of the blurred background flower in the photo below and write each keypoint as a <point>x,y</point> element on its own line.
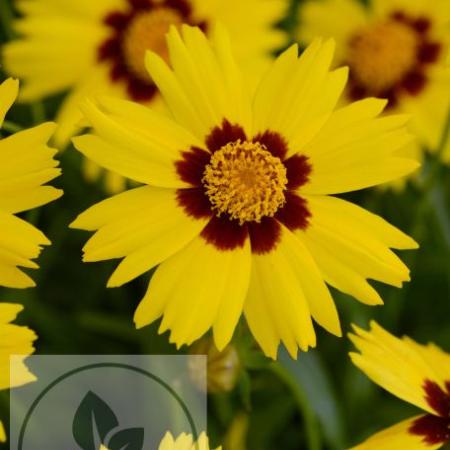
<point>396,49</point>
<point>98,48</point>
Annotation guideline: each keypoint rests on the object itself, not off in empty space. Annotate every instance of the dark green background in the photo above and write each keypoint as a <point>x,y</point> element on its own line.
<point>74,313</point>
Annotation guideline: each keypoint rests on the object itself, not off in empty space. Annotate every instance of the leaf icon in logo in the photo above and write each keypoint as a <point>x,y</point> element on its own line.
<point>93,420</point>
<point>129,439</point>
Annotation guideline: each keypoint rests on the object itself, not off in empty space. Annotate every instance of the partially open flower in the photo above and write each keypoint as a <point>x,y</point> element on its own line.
<point>183,442</point>
<point>418,374</point>
<point>223,367</point>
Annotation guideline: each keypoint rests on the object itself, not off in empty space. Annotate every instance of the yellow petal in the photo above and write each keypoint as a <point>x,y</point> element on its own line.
<point>429,111</point>
<point>196,289</point>
<point>331,18</point>
<point>200,96</point>
<point>351,245</point>
<point>8,94</point>
<point>113,209</point>
<point>55,52</point>
<point>19,242</point>
<point>184,442</point>
<point>321,304</point>
<point>27,164</point>
<point>397,437</point>
<point>9,312</point>
<point>200,86</point>
<point>435,357</point>
<point>395,365</point>
<point>144,225</point>
<point>15,340</point>
<point>129,152</point>
<point>346,215</point>
<point>237,91</point>
<point>175,98</point>
<point>150,123</point>
<point>297,95</point>
<point>159,236</point>
<point>12,277</point>
<point>355,150</point>
<point>276,307</point>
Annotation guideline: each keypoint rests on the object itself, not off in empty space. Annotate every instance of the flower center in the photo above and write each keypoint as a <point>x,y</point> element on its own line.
<point>380,56</point>
<point>245,181</point>
<point>147,31</point>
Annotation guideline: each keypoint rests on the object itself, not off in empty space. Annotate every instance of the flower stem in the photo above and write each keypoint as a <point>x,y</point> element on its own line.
<point>11,127</point>
<point>38,112</point>
<point>6,17</point>
<point>311,424</point>
<point>438,200</point>
<point>433,195</point>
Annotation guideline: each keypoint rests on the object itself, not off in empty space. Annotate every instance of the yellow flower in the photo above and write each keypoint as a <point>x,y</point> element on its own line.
<point>236,206</point>
<point>14,340</point>
<point>418,374</point>
<point>183,442</point>
<point>99,45</point>
<point>396,49</point>
<point>27,164</point>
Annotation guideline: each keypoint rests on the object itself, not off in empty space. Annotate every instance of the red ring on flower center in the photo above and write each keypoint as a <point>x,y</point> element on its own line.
<point>222,231</point>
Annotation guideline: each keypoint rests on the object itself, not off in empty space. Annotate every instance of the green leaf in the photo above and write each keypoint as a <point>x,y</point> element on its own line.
<point>93,419</point>
<point>311,376</point>
<point>129,439</point>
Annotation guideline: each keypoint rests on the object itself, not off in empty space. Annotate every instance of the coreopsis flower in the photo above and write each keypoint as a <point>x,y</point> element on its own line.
<point>26,165</point>
<point>14,341</point>
<point>99,46</point>
<point>183,442</point>
<point>396,49</point>
<point>236,209</point>
<point>418,374</point>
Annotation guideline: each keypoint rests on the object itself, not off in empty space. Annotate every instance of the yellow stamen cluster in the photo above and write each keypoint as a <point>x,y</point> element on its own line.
<point>147,31</point>
<point>381,55</point>
<point>245,181</point>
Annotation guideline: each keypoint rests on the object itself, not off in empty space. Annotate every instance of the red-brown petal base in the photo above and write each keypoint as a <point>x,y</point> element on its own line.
<point>224,233</point>
<point>434,429</point>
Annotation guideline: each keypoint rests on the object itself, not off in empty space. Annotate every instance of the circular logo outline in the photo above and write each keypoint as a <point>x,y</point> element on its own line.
<point>73,372</point>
